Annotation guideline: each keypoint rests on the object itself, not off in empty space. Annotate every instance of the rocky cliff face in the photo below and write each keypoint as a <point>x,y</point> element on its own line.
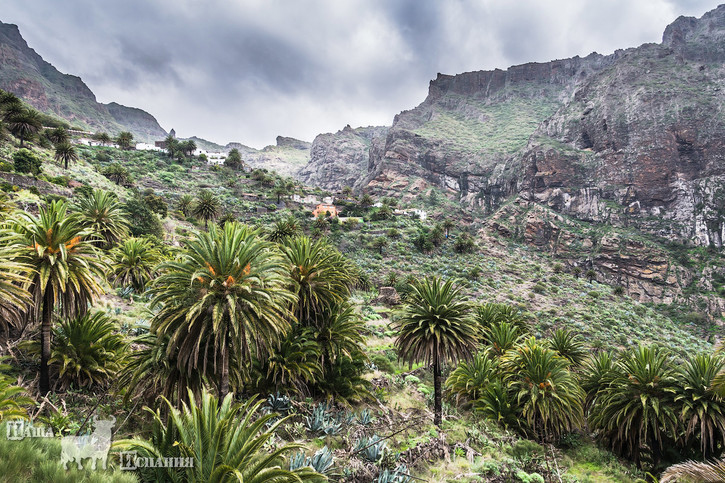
<point>632,138</point>
<point>26,74</point>
<point>341,159</point>
<point>286,157</point>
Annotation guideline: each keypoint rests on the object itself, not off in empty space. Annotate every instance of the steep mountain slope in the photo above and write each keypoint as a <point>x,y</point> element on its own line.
<point>341,159</point>
<point>635,137</point>
<point>26,74</point>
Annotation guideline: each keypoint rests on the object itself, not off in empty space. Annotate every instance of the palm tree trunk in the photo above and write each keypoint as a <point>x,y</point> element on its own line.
<point>437,396</point>
<point>224,383</point>
<point>46,324</point>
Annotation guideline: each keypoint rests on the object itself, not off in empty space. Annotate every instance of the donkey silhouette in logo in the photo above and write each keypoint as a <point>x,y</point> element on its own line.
<point>94,446</point>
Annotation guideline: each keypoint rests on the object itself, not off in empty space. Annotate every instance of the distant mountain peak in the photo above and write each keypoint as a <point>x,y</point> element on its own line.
<point>26,74</point>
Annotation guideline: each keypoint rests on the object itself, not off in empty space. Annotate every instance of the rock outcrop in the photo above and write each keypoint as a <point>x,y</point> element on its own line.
<point>635,138</point>
<point>25,73</point>
<point>341,159</point>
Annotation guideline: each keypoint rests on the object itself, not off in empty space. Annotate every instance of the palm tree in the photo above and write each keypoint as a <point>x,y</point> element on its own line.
<point>225,441</point>
<point>501,337</point>
<point>470,379</point>
<point>102,138</point>
<point>207,207</point>
<point>596,374</point>
<point>448,225</point>
<point>489,314</point>
<point>185,204</point>
<point>380,243</point>
<point>568,345</point>
<point>548,395</point>
<point>435,328</point>
<point>366,201</point>
<point>87,350</point>
<point>118,174</point>
<point>11,398</point>
<point>102,213</point>
<point>14,275</point>
<point>320,277</point>
<point>124,140</point>
<point>23,123</point>
<point>338,334</point>
<point>702,411</point>
<point>695,471</point>
<point>635,413</point>
<point>133,263</point>
<point>227,292</point>
<point>279,191</point>
<point>153,371</point>
<point>65,153</point>
<point>66,269</point>
<point>283,229</point>
<point>294,364</point>
<point>57,135</point>
<point>234,159</point>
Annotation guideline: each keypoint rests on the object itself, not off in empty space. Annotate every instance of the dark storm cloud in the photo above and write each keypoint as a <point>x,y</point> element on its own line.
<point>247,70</point>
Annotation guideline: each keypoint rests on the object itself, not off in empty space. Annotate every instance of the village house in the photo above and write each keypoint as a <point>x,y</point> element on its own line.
<point>325,208</point>
<point>421,214</point>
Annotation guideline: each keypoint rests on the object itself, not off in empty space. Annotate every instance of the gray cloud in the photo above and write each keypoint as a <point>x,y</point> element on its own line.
<point>248,70</point>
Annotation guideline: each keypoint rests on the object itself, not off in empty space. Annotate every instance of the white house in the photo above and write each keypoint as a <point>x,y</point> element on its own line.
<point>215,158</point>
<point>422,214</point>
<point>147,147</point>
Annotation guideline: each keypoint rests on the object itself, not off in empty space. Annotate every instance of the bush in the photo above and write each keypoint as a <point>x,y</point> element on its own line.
<point>26,162</point>
<point>5,167</point>
<point>142,220</point>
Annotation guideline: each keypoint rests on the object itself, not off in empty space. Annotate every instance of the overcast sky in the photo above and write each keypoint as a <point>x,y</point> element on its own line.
<point>249,70</point>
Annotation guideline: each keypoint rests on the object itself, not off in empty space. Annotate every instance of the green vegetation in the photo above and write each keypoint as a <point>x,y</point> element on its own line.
<point>209,287</point>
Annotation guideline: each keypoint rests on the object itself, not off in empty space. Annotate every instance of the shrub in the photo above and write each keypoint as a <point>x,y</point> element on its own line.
<point>142,220</point>
<point>26,162</point>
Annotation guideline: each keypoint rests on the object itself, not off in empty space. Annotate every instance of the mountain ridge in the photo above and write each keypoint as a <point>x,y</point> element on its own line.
<point>26,74</point>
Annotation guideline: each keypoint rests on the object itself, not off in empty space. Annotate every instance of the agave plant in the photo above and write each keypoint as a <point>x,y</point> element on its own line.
<point>372,448</point>
<point>398,475</point>
<point>278,403</point>
<point>364,417</point>
<point>235,451</point>
<point>319,419</point>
